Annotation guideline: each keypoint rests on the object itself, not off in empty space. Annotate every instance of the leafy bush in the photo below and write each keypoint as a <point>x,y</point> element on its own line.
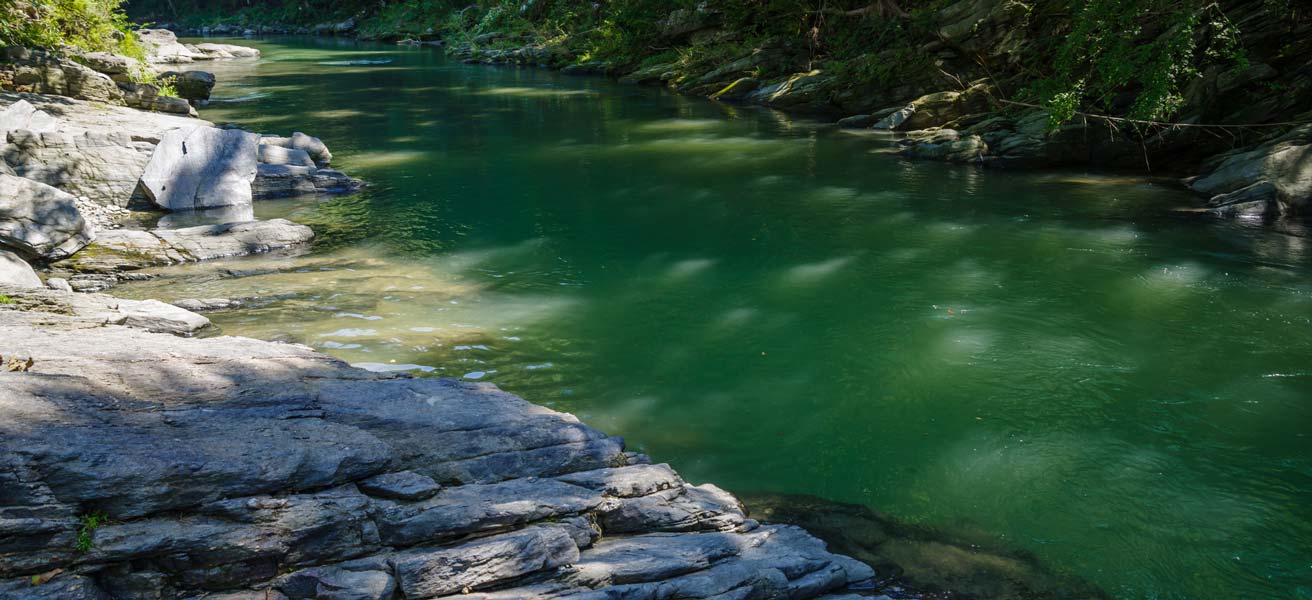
<point>1132,56</point>
<point>93,25</point>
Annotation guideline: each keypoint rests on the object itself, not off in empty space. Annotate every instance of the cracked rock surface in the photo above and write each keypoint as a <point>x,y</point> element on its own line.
<point>238,469</point>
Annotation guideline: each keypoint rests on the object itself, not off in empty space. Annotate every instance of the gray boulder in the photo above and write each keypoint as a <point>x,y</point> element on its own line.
<point>313,146</point>
<point>39,221</point>
<point>626,482</point>
<point>93,150</point>
<point>465,509</point>
<point>1272,178</point>
<point>686,508</point>
<point>275,181</point>
<point>946,145</point>
<point>59,284</point>
<point>364,579</point>
<point>147,96</point>
<point>117,252</point>
<point>205,304</point>
<point>233,469</point>
<point>15,271</point>
<point>201,167</point>
<point>279,155</point>
<point>191,85</point>
<point>153,315</point>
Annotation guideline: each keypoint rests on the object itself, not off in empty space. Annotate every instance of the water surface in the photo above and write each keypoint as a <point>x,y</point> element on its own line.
<point>1056,363</point>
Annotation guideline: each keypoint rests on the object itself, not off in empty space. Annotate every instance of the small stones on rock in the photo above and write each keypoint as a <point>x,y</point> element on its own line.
<point>16,364</point>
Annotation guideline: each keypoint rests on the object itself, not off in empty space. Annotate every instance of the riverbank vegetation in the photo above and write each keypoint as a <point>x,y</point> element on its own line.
<point>1125,58</point>
<point>91,25</point>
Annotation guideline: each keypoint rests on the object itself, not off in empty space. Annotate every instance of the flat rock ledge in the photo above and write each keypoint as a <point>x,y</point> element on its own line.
<point>117,253</point>
<point>140,465</point>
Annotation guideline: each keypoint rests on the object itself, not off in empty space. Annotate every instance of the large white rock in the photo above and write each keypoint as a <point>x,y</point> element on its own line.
<point>39,221</point>
<point>96,150</point>
<point>16,272</point>
<point>201,167</point>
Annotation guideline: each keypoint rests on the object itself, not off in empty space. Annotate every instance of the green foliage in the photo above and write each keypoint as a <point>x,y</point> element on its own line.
<point>1131,57</point>
<point>5,299</point>
<point>87,526</point>
<point>93,25</point>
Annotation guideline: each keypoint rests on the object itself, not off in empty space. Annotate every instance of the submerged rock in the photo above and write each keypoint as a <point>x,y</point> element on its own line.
<point>207,304</point>
<point>920,562</point>
<point>274,181</point>
<point>127,250</point>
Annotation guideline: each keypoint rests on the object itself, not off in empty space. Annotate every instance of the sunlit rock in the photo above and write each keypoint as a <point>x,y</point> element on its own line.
<point>201,167</point>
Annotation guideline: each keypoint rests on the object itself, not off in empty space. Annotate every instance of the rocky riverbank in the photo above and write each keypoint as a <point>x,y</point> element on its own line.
<point>959,81</point>
<point>144,465</point>
<point>138,463</point>
<point>1243,142</point>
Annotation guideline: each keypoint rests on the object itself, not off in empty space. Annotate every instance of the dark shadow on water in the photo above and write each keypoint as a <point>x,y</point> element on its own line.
<point>917,562</point>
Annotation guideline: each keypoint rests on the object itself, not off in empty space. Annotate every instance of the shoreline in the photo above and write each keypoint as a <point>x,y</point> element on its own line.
<point>142,460</point>
<point>367,482</point>
<point>350,570</point>
<point>956,112</point>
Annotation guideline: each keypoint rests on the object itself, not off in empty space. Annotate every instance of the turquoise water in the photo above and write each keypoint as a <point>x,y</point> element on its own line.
<point>1060,363</point>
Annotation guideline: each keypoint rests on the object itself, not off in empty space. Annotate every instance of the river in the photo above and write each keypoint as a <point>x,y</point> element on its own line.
<point>1060,363</point>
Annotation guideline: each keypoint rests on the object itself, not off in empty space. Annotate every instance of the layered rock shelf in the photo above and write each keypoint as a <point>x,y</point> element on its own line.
<point>144,465</point>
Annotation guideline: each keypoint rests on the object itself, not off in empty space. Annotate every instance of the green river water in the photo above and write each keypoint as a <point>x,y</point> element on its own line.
<point>1061,364</point>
